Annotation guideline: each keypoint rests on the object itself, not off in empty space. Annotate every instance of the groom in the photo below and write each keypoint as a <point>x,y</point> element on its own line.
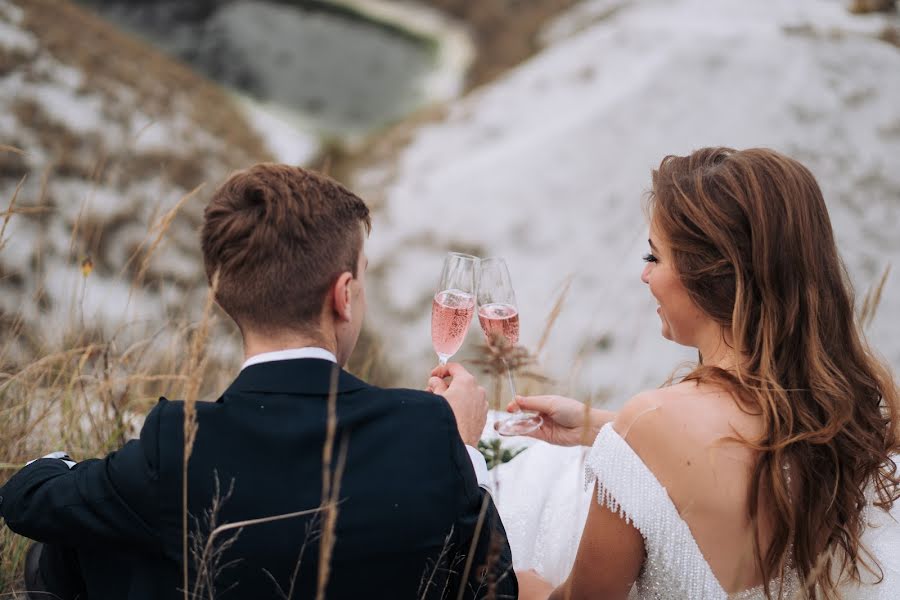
<point>285,247</point>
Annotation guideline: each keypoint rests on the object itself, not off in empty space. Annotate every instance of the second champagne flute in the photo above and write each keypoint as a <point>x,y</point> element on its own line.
<point>453,305</point>
<point>499,318</point>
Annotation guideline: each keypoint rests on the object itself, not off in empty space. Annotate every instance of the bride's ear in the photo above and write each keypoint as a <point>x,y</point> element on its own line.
<point>340,297</point>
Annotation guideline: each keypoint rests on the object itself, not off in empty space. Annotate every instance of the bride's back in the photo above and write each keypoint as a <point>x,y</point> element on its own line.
<point>748,273</point>
<point>686,436</point>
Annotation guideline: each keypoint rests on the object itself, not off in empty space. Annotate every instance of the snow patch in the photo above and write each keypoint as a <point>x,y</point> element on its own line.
<point>13,38</point>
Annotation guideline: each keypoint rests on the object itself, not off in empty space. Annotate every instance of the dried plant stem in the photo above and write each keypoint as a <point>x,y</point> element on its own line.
<point>554,314</point>
<point>472,546</point>
<point>196,361</point>
<point>209,547</point>
<point>260,521</point>
<point>189,429</point>
<point>442,556</point>
<point>330,431</point>
<point>160,229</point>
<point>99,165</point>
<point>11,209</point>
<point>326,546</point>
<point>330,486</point>
<point>296,572</point>
<point>872,299</point>
<point>44,364</point>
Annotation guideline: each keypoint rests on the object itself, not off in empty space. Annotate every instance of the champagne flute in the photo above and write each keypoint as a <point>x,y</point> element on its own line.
<point>453,305</point>
<point>499,318</point>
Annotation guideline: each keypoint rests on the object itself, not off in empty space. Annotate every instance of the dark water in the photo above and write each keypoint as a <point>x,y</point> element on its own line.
<point>342,72</point>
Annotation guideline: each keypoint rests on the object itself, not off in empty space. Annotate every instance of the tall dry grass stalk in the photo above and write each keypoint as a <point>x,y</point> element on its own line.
<point>470,555</point>
<point>554,315</point>
<point>159,230</point>
<point>311,535</point>
<point>85,399</point>
<point>193,373</point>
<point>10,211</point>
<point>872,299</point>
<point>87,391</point>
<point>208,552</point>
<point>208,555</point>
<point>331,484</point>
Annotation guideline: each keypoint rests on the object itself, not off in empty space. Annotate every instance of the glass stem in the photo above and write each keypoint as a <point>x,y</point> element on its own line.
<point>512,384</point>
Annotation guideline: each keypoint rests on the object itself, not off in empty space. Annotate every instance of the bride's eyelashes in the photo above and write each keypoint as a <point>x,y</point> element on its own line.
<point>650,258</point>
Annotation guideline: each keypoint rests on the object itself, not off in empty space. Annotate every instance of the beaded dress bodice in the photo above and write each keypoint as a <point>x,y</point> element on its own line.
<point>674,567</point>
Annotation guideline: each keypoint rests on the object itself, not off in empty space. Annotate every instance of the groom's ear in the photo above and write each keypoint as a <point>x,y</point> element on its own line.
<point>340,296</point>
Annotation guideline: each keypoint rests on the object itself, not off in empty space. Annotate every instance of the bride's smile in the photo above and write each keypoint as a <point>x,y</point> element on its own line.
<point>680,317</point>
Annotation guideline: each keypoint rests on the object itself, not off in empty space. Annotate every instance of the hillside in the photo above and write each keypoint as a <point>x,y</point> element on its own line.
<point>111,135</point>
<point>547,166</point>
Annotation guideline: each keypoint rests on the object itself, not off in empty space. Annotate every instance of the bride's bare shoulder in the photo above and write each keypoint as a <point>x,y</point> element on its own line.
<point>682,430</point>
<point>652,408</point>
<point>693,410</point>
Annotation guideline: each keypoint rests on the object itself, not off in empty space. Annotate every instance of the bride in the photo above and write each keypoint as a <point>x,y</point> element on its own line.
<point>767,471</point>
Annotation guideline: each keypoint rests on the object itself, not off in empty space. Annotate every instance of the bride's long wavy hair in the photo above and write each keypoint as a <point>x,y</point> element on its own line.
<point>753,245</point>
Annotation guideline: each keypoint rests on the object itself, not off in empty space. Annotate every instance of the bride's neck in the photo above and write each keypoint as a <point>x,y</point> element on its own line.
<point>716,349</point>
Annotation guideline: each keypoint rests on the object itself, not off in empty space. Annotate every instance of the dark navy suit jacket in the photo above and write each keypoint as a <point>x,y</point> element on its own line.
<point>409,501</point>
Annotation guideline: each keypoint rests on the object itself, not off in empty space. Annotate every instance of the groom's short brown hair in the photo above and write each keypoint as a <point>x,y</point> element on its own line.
<point>279,236</point>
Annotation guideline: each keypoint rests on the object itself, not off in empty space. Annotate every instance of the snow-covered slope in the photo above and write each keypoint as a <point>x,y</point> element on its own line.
<point>548,166</point>
<point>113,135</point>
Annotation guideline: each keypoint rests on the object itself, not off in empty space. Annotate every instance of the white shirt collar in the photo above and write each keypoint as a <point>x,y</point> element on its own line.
<point>290,354</point>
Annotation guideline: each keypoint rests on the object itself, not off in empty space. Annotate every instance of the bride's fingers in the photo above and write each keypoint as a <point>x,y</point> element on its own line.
<point>539,434</point>
<point>541,404</point>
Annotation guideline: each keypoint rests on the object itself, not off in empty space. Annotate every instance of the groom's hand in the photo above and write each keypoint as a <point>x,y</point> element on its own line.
<point>467,399</point>
<point>567,422</point>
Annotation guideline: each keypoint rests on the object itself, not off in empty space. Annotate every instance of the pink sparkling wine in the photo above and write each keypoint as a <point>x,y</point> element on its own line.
<point>451,313</point>
<point>502,319</point>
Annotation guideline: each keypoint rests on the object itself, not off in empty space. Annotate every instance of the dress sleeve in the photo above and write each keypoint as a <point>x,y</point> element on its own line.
<point>626,486</point>
<point>624,483</point>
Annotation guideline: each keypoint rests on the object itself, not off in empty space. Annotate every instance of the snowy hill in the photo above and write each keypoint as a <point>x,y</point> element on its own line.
<point>112,135</point>
<point>547,167</point>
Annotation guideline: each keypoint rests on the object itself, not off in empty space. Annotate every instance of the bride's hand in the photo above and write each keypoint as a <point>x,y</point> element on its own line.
<point>567,422</point>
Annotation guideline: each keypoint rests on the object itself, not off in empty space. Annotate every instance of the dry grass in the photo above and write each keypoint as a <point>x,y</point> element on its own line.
<point>872,299</point>
<point>91,396</point>
<point>505,31</point>
<point>860,7</point>
<point>891,35</point>
<point>89,393</point>
<point>87,399</point>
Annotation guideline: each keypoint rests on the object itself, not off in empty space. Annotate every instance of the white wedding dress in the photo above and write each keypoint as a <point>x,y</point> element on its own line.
<point>543,497</point>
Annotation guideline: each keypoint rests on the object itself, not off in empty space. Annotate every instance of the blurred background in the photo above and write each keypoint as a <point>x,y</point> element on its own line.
<point>518,128</point>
